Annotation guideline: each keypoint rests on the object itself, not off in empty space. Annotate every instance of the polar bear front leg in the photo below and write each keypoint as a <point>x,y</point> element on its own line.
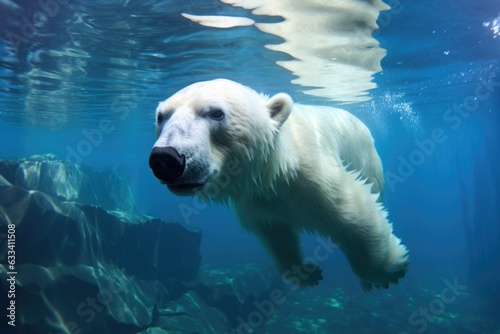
<point>283,245</point>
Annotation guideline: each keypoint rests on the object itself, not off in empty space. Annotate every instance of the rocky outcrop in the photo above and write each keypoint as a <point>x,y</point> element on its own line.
<point>189,314</point>
<point>76,263</point>
<point>68,181</point>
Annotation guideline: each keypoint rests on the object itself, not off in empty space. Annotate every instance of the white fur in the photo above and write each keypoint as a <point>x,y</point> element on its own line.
<point>301,168</point>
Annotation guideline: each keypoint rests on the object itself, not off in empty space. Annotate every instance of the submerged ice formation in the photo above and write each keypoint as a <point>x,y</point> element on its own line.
<point>330,42</point>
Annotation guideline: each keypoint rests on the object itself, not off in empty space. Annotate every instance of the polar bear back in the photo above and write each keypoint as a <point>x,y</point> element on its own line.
<point>342,135</point>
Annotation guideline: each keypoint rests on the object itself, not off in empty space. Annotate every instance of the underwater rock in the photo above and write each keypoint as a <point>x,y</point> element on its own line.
<point>68,181</point>
<point>54,233</point>
<point>150,249</point>
<point>4,182</point>
<point>220,301</point>
<point>189,314</point>
<point>237,290</point>
<point>75,260</point>
<point>82,299</point>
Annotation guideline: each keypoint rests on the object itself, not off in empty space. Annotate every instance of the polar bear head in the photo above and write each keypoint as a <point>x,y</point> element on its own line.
<point>218,133</point>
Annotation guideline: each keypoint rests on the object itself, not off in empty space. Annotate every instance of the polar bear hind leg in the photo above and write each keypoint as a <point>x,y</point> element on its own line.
<point>365,236</point>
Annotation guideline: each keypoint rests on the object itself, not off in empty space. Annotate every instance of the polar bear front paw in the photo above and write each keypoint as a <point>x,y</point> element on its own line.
<point>310,276</point>
<point>368,286</point>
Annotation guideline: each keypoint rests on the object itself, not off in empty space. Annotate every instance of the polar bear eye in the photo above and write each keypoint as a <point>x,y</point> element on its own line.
<point>215,113</point>
<point>159,118</point>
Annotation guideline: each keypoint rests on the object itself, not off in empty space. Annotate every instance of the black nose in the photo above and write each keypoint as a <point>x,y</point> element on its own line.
<point>167,164</point>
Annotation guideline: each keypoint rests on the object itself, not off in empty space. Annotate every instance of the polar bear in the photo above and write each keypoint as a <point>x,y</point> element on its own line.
<point>283,168</point>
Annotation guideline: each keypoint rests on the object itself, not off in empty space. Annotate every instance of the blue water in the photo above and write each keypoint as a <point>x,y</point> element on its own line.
<point>105,65</point>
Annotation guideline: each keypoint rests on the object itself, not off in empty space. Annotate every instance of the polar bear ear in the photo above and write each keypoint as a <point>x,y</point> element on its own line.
<point>279,107</point>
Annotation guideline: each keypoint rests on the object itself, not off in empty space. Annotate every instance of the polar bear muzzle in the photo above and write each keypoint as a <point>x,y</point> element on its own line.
<point>167,164</point>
